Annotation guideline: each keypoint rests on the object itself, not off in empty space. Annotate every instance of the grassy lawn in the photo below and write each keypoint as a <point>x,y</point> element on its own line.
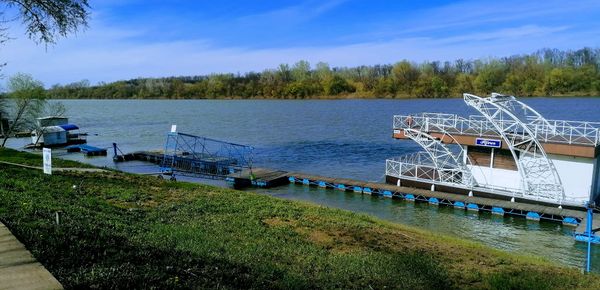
<point>120,230</point>
<point>31,159</point>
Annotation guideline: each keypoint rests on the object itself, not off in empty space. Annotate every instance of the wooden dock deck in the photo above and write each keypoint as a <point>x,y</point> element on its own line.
<point>595,224</point>
<point>19,269</point>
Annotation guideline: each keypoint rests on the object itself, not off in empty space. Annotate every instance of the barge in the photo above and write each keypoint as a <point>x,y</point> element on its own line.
<point>508,152</point>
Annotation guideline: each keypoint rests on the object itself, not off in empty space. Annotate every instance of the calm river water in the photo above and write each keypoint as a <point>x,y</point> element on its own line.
<point>339,138</point>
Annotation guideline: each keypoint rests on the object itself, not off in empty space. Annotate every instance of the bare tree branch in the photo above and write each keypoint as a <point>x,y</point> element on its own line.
<point>45,20</point>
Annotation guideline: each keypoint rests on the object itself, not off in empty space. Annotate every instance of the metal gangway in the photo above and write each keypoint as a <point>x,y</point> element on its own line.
<point>198,156</point>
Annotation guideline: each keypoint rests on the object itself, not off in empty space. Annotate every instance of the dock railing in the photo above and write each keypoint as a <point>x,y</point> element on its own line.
<point>420,166</point>
<point>555,131</point>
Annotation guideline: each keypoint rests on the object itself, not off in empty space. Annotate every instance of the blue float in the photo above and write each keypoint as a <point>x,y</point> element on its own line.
<point>357,189</point>
<point>459,204</point>
<point>532,215</point>
<point>410,197</point>
<point>322,184</point>
<point>387,193</point>
<point>305,181</point>
<point>367,190</point>
<point>292,179</point>
<point>433,200</point>
<point>472,207</point>
<point>498,211</point>
<point>585,238</point>
<point>570,221</point>
<point>341,187</point>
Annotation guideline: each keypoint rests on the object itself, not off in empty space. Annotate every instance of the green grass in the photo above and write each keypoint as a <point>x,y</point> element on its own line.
<point>25,158</point>
<point>120,230</point>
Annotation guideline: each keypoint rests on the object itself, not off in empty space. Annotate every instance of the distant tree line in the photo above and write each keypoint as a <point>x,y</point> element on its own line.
<point>547,72</point>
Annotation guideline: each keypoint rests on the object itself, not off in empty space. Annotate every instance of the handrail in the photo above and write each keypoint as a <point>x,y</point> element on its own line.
<point>559,131</point>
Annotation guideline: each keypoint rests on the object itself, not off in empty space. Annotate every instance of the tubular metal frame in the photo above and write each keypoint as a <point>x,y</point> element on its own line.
<point>539,178</point>
<point>446,161</point>
<point>204,157</point>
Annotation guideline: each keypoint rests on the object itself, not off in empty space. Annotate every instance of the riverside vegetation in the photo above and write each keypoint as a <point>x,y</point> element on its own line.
<point>547,72</point>
<point>120,230</point>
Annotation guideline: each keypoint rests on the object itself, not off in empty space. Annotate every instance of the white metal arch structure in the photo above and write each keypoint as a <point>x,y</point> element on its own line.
<point>524,112</point>
<point>539,178</point>
<point>450,166</point>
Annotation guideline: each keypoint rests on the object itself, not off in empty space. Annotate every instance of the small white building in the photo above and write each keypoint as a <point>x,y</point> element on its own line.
<point>49,136</point>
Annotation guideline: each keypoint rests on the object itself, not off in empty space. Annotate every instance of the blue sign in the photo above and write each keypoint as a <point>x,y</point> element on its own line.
<point>488,142</point>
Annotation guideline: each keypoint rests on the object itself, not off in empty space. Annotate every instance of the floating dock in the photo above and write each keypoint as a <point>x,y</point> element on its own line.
<point>472,203</point>
<point>259,177</point>
<point>87,150</point>
<point>148,156</point>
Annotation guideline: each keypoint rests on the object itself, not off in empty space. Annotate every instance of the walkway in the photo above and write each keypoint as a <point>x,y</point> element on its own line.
<point>19,269</point>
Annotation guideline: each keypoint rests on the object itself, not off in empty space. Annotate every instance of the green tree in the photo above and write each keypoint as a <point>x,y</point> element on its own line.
<point>336,85</point>
<point>431,86</point>
<point>560,80</point>
<point>490,77</point>
<point>27,96</point>
<point>301,71</point>
<point>463,84</point>
<point>406,76</point>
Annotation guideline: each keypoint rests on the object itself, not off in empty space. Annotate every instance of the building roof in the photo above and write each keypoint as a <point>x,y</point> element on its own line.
<point>51,129</point>
<point>69,127</point>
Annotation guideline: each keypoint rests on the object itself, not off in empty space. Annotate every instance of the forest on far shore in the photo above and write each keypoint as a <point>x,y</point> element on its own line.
<point>546,72</point>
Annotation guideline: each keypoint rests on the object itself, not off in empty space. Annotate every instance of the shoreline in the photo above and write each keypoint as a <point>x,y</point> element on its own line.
<point>320,98</point>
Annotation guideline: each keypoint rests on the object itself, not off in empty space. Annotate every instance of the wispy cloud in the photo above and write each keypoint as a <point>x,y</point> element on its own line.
<point>294,14</point>
<point>468,16</point>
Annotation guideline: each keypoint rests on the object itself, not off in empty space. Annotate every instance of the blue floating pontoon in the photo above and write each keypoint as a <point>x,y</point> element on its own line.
<point>87,150</point>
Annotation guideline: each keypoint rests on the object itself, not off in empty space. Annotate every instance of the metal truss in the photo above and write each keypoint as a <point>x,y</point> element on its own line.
<point>204,157</point>
<point>539,178</point>
<point>525,113</point>
<point>449,165</point>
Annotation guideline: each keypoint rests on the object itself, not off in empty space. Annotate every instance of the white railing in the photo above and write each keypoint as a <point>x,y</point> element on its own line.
<point>420,166</point>
<point>555,131</point>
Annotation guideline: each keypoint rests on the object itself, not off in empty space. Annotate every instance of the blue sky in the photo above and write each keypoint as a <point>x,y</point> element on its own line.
<point>135,38</point>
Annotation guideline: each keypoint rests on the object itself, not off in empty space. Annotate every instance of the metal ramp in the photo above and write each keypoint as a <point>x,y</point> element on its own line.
<point>197,156</point>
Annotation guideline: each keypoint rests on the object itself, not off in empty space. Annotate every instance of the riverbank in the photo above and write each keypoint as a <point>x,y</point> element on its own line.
<point>120,230</point>
<point>353,96</point>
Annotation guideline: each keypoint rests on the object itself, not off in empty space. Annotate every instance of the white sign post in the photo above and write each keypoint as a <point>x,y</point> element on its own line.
<point>173,128</point>
<point>47,161</point>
